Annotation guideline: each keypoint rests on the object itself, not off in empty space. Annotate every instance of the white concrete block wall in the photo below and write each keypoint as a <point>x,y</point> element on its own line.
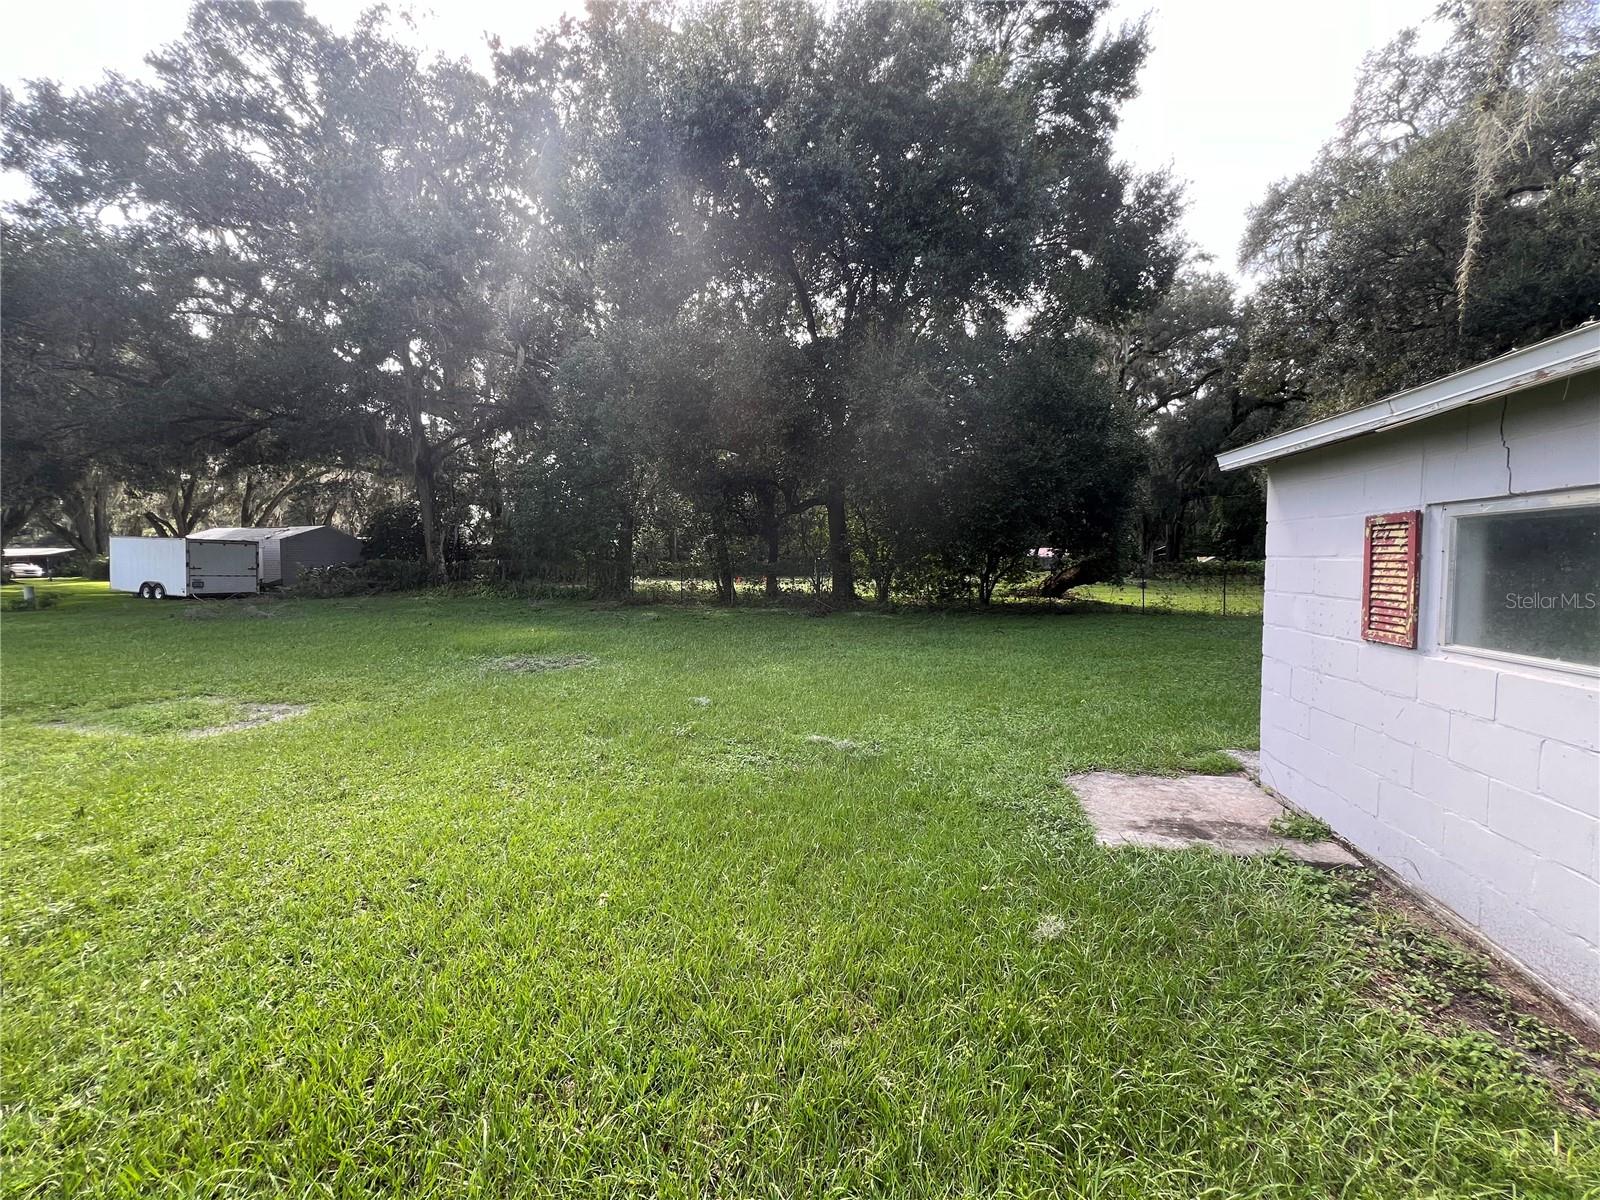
<point>1476,780</point>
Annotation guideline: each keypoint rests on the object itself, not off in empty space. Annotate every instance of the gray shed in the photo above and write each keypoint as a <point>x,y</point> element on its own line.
<point>287,548</point>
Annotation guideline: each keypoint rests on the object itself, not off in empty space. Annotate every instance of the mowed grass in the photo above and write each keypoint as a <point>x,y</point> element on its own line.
<point>625,929</point>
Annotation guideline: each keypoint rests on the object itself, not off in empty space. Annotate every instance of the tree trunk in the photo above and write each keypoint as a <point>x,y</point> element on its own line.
<point>102,518</point>
<point>727,593</point>
<point>423,482</point>
<point>987,577</point>
<point>772,530</point>
<point>844,575</point>
<point>247,501</point>
<point>1175,532</point>
<point>623,584</point>
<point>423,479</point>
<point>1080,573</point>
<point>87,524</point>
<point>182,502</point>
<point>258,509</point>
<point>15,516</point>
<point>159,524</point>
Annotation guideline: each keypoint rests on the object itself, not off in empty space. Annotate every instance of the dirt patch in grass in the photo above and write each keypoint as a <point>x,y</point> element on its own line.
<point>258,606</point>
<point>224,610</point>
<point>184,716</point>
<point>1425,968</point>
<point>537,664</point>
<point>255,716</point>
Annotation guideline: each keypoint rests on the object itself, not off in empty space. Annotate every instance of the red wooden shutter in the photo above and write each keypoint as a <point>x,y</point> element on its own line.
<point>1389,579</point>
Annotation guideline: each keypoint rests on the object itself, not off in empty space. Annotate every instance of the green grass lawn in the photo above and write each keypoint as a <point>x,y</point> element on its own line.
<point>623,928</point>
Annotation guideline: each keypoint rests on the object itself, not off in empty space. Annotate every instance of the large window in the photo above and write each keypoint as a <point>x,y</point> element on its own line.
<point>1524,578</point>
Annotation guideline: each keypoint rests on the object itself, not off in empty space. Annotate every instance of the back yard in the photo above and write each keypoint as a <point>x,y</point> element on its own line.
<point>671,901</point>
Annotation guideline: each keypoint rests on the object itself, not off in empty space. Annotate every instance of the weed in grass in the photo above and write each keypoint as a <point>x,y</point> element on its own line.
<point>1300,827</point>
<point>1484,1013</point>
<point>1049,928</point>
<point>364,952</point>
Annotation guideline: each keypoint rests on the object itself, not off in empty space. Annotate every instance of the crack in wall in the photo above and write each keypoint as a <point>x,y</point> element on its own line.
<point>1504,405</point>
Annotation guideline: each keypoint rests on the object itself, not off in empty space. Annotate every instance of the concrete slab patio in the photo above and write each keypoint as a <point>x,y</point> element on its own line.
<point>1228,813</point>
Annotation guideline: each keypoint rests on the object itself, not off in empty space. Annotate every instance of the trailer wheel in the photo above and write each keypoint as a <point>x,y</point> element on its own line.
<point>144,591</point>
<point>158,592</point>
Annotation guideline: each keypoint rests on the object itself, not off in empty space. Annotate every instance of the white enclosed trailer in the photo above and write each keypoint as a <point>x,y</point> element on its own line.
<point>158,567</point>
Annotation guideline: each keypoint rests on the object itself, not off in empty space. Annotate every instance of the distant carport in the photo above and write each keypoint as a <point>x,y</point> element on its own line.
<point>48,557</point>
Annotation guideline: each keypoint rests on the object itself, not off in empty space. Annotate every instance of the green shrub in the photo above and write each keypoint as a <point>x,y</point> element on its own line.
<point>360,579</point>
<point>41,599</point>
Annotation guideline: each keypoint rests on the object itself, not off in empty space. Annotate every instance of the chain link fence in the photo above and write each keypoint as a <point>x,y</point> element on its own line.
<point>1224,589</point>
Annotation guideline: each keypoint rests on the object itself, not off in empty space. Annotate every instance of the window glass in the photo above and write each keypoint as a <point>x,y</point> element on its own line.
<point>1528,582</point>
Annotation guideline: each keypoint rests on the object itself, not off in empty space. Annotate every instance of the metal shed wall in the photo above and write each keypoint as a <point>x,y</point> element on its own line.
<point>322,546</point>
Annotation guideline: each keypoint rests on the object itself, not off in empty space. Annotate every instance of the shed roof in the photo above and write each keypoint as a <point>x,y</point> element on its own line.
<point>1559,357</point>
<point>257,533</point>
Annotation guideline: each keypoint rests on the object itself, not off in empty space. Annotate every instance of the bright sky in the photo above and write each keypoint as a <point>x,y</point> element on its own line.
<point>1236,93</point>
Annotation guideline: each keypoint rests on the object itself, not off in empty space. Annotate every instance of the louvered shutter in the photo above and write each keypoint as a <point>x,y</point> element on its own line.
<point>1389,579</point>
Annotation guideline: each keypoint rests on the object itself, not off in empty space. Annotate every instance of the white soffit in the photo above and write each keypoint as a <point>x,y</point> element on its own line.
<point>1559,357</point>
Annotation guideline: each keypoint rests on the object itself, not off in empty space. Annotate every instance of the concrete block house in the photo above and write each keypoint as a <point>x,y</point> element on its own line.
<point>1431,647</point>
